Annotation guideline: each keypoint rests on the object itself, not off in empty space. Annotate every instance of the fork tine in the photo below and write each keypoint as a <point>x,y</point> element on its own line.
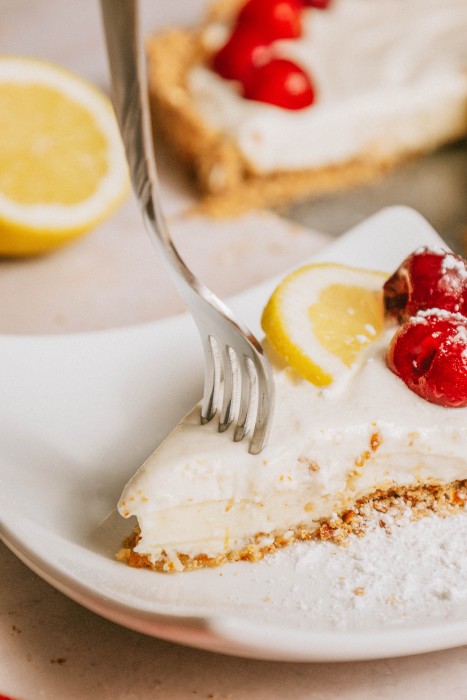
<point>211,379</point>
<point>226,417</point>
<point>265,399</point>
<point>245,398</point>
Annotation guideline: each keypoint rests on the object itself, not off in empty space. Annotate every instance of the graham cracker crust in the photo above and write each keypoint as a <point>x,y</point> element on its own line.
<point>423,501</point>
<point>224,180</point>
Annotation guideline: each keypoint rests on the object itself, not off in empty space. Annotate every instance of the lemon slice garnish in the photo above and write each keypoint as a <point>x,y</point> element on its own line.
<point>322,317</point>
<point>62,164</point>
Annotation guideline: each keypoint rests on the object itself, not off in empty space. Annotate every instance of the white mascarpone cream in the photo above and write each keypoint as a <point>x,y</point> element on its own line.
<point>202,493</point>
<point>390,75</point>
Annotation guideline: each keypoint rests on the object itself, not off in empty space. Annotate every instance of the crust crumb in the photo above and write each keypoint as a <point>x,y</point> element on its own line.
<point>375,441</point>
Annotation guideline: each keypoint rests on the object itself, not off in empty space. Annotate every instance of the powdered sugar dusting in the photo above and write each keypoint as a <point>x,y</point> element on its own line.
<point>452,263</point>
<point>440,313</point>
<point>461,335</point>
<point>401,572</point>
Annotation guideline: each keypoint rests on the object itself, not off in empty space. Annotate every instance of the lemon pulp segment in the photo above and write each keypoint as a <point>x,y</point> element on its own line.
<point>321,317</point>
<point>345,318</point>
<point>53,152</point>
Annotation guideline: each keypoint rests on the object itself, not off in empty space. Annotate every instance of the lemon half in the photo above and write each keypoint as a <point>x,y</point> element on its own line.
<point>62,164</point>
<point>321,317</point>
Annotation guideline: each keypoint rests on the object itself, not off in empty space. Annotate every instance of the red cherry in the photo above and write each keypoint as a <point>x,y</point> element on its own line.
<point>276,19</point>
<point>282,83</point>
<point>245,49</point>
<point>318,4</point>
<point>429,353</point>
<point>427,279</point>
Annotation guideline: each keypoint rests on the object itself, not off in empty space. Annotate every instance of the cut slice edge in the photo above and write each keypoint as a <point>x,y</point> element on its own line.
<point>322,317</point>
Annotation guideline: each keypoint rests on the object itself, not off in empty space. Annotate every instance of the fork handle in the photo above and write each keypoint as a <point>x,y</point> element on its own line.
<point>131,104</point>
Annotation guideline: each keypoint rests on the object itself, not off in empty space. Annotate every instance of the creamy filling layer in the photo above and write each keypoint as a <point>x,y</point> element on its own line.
<point>215,528</point>
<point>201,493</point>
<point>391,78</point>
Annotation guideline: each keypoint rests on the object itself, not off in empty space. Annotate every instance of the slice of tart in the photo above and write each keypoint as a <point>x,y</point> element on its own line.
<point>271,101</point>
<point>353,425</point>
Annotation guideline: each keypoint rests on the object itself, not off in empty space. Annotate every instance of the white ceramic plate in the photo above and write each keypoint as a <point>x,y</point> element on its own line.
<point>79,413</point>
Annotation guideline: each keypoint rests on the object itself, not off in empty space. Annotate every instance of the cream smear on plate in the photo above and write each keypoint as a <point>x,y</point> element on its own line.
<point>391,78</point>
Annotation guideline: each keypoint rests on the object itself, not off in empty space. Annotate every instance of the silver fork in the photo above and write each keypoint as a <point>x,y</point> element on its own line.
<point>230,349</point>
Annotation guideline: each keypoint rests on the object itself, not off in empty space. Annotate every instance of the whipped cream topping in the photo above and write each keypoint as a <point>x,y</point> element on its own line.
<point>202,493</point>
<point>390,75</point>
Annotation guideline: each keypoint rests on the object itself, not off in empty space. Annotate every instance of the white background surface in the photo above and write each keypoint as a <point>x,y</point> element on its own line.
<point>51,647</point>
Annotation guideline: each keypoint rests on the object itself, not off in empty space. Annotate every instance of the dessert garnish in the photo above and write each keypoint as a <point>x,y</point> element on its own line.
<point>282,83</point>
<point>248,55</point>
<point>428,295</point>
<point>429,353</point>
<point>427,279</point>
<point>321,317</point>
<point>276,19</point>
<point>237,59</point>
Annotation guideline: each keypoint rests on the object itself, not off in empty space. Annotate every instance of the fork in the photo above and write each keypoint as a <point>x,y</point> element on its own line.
<point>231,351</point>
